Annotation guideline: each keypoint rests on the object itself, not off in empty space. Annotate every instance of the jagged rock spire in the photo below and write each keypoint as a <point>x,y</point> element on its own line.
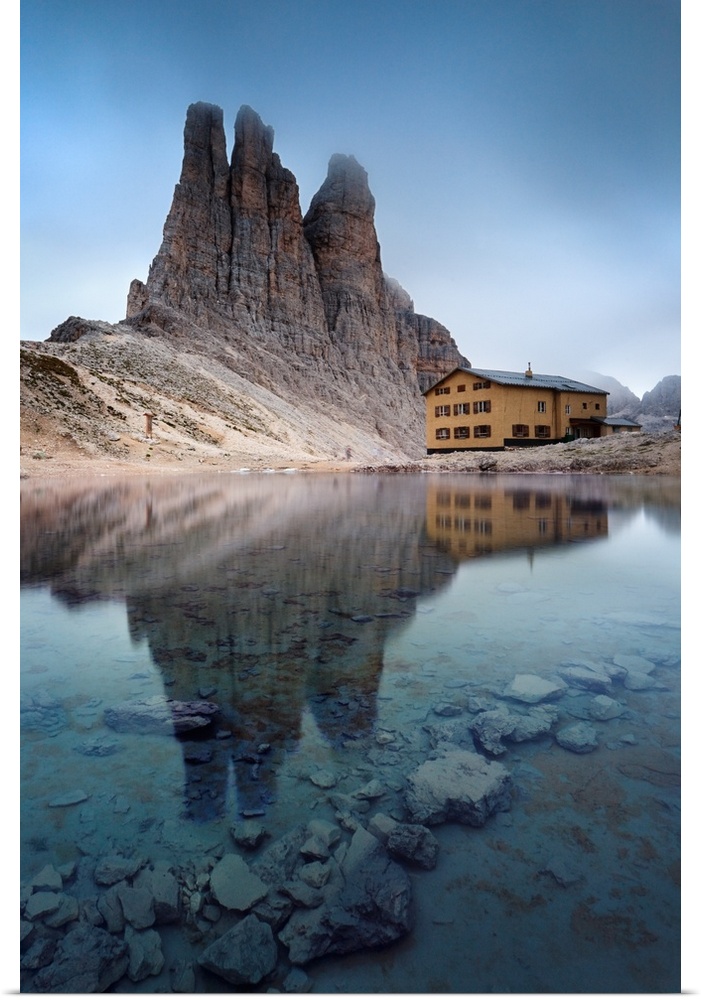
<point>238,260</point>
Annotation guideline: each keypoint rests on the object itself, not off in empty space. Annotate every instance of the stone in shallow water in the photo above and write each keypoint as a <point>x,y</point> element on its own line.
<point>88,960</point>
<point>68,799</point>
<point>580,737</point>
<point>367,906</point>
<point>137,906</point>
<point>636,681</point>
<point>48,879</point>
<point>163,888</point>
<point>115,869</point>
<point>160,715</point>
<point>590,676</point>
<point>145,953</point>
<point>40,904</point>
<point>182,977</point>
<point>447,709</point>
<point>638,664</point>
<point>297,981</point>
<point>564,873</point>
<point>372,790</point>
<point>67,911</point>
<point>39,954</point>
<point>492,728</point>
<point>530,688</point>
<point>322,838</point>
<point>459,786</point>
<point>602,707</point>
<point>415,843</point>
<point>323,779</point>
<point>234,885</point>
<point>244,955</point>
<point>249,834</point>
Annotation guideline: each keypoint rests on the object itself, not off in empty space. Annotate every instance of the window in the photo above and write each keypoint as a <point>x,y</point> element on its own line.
<point>461,432</point>
<point>443,411</point>
<point>541,406</point>
<point>462,524</point>
<point>483,431</point>
<point>443,521</point>
<point>542,430</point>
<point>483,527</point>
<point>443,499</point>
<point>462,499</point>
<point>597,406</point>
<point>482,406</point>
<point>459,408</point>
<point>483,502</point>
<point>443,391</point>
<point>519,430</point>
<point>568,409</point>
<point>461,388</point>
<point>481,385</point>
<point>584,406</point>
<point>442,433</point>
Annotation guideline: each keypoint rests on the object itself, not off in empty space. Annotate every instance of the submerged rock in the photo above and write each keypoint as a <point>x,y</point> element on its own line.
<point>530,688</point>
<point>234,885</point>
<point>40,904</point>
<point>452,731</point>
<point>88,960</point>
<point>414,843</point>
<point>47,879</point>
<point>638,681</point>
<point>160,715</point>
<point>115,869</point>
<point>145,953</point>
<point>69,799</point>
<point>580,737</point>
<point>589,676</point>
<point>161,885</point>
<point>492,728</point>
<point>602,708</point>
<point>459,786</point>
<point>243,956</point>
<point>249,834</point>
<point>368,905</point>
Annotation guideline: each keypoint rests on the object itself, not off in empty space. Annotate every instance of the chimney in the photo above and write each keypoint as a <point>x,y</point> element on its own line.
<point>529,373</point>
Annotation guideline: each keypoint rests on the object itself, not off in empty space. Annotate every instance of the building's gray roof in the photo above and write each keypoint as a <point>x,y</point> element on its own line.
<point>617,422</point>
<point>536,381</point>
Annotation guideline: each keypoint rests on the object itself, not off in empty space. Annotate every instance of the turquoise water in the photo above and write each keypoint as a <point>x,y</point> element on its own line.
<point>331,619</point>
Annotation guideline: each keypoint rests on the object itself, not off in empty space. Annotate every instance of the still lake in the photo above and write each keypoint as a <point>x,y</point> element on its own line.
<point>335,621</point>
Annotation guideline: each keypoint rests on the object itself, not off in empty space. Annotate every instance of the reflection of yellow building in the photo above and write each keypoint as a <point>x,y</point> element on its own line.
<point>469,521</point>
<point>473,408</point>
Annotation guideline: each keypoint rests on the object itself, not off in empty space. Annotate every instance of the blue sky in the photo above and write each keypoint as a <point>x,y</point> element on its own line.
<point>524,155</point>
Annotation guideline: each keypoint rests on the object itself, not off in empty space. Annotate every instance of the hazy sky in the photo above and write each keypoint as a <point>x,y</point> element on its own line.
<point>523,154</point>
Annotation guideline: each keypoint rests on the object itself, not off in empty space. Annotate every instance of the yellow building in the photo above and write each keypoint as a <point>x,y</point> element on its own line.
<point>476,408</point>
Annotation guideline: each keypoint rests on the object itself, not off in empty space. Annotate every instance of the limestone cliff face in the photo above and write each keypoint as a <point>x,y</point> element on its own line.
<point>302,305</point>
<point>340,229</point>
<point>233,247</point>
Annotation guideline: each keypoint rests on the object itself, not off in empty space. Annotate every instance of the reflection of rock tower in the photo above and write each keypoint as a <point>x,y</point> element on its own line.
<point>282,617</point>
<point>267,601</point>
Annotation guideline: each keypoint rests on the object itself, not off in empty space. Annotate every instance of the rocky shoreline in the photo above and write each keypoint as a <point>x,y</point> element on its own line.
<point>640,454</point>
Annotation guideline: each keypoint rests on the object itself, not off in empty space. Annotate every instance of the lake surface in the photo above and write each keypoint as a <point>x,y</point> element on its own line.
<point>333,620</point>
